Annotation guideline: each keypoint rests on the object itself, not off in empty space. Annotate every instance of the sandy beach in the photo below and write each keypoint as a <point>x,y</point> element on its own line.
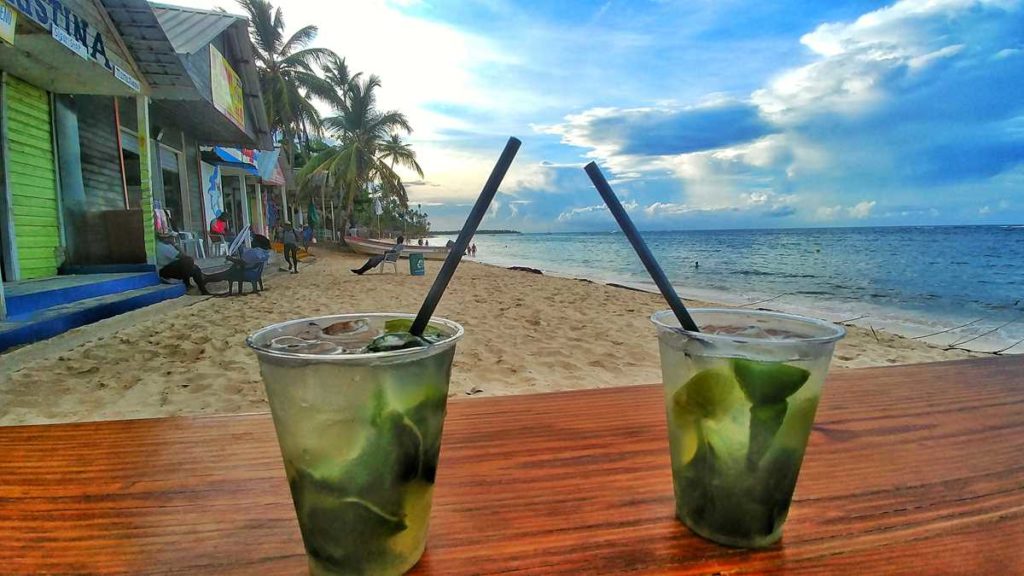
<point>525,333</point>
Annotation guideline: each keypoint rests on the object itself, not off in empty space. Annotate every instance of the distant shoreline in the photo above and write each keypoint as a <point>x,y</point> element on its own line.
<point>478,232</point>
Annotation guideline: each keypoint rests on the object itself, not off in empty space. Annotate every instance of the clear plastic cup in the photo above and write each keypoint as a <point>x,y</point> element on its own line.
<point>740,398</point>
<point>360,434</point>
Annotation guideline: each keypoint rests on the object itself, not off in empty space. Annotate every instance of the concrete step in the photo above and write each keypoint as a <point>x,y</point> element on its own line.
<point>26,298</point>
<point>42,324</point>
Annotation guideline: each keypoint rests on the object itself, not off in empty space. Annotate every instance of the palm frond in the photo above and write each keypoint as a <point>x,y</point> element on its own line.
<point>299,40</point>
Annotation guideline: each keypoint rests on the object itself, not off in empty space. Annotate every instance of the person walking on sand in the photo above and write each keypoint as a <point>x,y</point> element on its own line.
<point>290,239</point>
<point>374,261</point>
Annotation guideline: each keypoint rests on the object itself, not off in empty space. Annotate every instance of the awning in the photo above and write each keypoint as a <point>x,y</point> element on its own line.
<point>241,158</point>
<point>262,163</point>
<point>266,162</point>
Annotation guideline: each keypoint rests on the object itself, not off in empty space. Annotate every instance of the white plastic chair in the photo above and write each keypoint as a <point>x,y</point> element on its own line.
<point>389,258</point>
<point>218,246</point>
<point>190,244</point>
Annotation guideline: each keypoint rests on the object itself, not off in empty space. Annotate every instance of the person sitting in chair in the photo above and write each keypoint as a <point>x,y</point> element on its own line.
<point>374,261</point>
<point>219,228</point>
<point>245,258</point>
<point>171,263</point>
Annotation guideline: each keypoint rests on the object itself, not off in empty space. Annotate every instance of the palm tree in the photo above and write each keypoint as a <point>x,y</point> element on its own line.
<point>360,159</point>
<point>397,150</point>
<point>337,73</point>
<point>288,76</point>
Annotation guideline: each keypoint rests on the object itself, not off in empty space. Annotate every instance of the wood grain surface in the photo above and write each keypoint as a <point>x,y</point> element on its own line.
<point>911,470</point>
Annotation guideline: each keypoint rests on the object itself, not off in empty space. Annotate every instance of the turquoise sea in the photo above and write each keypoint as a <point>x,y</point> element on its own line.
<point>908,280</point>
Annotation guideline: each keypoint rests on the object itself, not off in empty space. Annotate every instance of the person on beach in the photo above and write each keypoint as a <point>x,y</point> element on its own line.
<point>246,258</point>
<point>307,237</point>
<point>290,239</point>
<point>172,264</point>
<point>472,249</point>
<point>219,227</point>
<point>374,261</point>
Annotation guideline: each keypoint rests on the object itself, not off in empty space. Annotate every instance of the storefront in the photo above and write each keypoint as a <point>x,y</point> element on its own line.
<point>62,65</point>
<point>213,99</point>
<point>103,107</point>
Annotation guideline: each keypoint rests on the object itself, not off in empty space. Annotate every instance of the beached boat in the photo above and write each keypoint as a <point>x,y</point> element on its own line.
<point>370,247</point>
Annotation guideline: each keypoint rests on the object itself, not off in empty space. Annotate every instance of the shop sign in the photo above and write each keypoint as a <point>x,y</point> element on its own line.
<point>8,20</point>
<point>127,78</point>
<point>227,88</point>
<point>70,42</point>
<point>74,31</point>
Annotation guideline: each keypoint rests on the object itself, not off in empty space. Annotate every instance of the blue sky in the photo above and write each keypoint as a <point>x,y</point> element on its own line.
<point>702,113</point>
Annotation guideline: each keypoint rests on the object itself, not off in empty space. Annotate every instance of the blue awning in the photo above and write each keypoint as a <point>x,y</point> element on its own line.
<point>236,158</point>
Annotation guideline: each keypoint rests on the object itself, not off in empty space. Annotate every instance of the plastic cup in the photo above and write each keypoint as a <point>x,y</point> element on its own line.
<point>360,435</point>
<point>740,398</point>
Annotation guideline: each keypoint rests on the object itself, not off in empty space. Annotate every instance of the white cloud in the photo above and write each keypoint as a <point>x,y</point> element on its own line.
<point>984,211</point>
<point>596,209</point>
<point>828,212</point>
<point>861,210</point>
<point>883,103</point>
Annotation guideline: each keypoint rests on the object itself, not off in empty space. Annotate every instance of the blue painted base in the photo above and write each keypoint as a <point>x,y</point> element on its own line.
<point>60,319</point>
<point>107,269</point>
<point>27,298</point>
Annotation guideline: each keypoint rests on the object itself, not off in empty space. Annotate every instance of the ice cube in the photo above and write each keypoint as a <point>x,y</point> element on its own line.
<point>753,331</point>
<point>346,327</point>
<point>310,331</point>
<point>354,335</point>
<point>396,341</point>
<point>301,346</point>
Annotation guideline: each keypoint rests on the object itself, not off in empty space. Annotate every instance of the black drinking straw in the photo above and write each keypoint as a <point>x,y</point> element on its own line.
<point>641,247</point>
<point>468,230</point>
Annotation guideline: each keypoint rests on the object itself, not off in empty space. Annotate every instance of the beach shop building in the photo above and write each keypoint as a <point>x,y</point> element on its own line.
<point>102,115</point>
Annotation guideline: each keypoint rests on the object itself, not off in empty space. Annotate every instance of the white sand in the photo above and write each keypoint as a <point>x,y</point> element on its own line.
<point>525,333</point>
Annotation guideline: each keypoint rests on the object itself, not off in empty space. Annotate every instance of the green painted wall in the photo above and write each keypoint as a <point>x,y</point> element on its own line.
<point>32,178</point>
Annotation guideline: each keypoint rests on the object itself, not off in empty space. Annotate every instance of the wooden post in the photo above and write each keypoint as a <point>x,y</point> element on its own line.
<point>334,224</point>
<point>259,209</point>
<point>244,197</point>
<point>285,215</point>
<point>145,177</point>
<point>9,240</point>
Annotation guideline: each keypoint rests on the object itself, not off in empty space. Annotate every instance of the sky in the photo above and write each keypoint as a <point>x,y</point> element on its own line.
<point>703,114</point>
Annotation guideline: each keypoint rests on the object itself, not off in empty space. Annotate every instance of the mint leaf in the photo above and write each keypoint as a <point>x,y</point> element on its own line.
<point>428,417</point>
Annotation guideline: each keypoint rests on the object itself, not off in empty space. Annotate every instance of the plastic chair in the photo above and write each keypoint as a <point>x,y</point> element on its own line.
<point>389,258</point>
<point>190,243</point>
<point>252,274</point>
<point>218,246</point>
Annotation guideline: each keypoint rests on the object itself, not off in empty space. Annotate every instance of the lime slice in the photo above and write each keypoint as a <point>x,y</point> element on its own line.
<point>405,324</point>
<point>709,393</point>
<point>765,421</point>
<point>768,382</point>
<point>686,425</point>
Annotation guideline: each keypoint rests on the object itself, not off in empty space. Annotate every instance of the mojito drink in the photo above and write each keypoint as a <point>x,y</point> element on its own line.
<point>740,398</point>
<point>359,404</point>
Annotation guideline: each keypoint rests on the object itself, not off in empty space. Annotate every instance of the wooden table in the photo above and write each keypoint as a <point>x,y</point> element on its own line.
<point>914,470</point>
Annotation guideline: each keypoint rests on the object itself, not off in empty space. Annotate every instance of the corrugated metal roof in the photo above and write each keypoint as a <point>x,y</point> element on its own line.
<point>191,30</point>
<point>150,48</point>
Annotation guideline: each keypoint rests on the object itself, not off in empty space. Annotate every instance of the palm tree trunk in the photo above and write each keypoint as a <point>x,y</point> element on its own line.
<point>350,204</point>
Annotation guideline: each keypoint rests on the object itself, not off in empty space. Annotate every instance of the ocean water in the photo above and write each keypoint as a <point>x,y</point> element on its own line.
<point>908,280</point>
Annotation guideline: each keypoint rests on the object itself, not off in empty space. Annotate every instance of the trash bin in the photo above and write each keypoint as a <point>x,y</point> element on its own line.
<point>417,266</point>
